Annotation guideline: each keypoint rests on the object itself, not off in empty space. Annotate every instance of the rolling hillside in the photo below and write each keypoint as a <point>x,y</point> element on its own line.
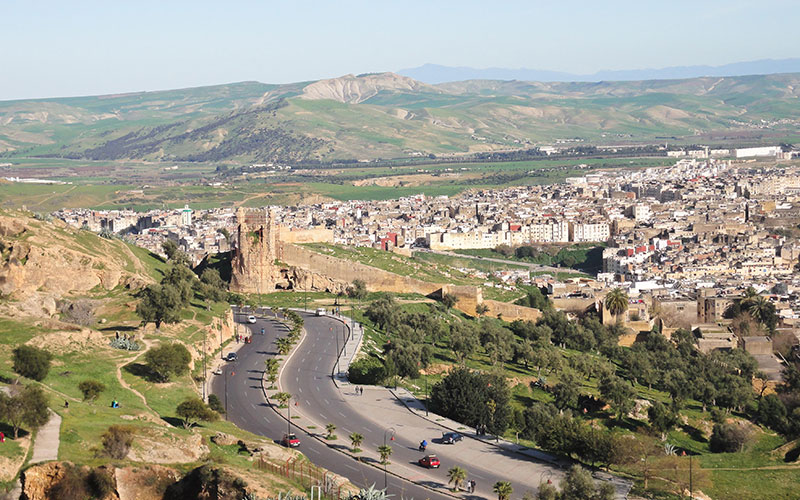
<point>391,116</point>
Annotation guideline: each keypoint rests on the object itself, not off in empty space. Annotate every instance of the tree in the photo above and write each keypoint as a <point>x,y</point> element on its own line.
<point>160,304</point>
<point>497,340</point>
<point>463,396</point>
<point>213,286</point>
<point>91,389</point>
<point>173,253</point>
<point>772,412</point>
<point>385,451</point>
<point>357,290</point>
<point>283,398</point>
<point>367,370</point>
<point>763,311</point>
<point>28,408</point>
<point>31,362</point>
<point>565,392</point>
<point>356,439</point>
<point>503,490</point>
<point>192,410</point>
<point>728,438</point>
<point>463,341</point>
<point>617,302</point>
<point>271,366</point>
<point>284,345</point>
<point>455,476</point>
<point>662,419</point>
<point>481,309</point>
<point>449,300</point>
<point>546,491</point>
<point>167,360</point>
<point>504,250</point>
<point>579,485</point>
<point>117,441</point>
<point>618,394</point>
<point>330,428</point>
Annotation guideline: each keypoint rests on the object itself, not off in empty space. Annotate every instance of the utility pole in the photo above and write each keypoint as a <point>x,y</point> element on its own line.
<point>205,375</point>
<point>289,420</point>
<point>691,485</point>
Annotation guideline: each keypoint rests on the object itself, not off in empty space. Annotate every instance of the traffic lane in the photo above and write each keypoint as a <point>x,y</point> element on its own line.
<point>320,394</point>
<point>321,401</point>
<point>248,409</point>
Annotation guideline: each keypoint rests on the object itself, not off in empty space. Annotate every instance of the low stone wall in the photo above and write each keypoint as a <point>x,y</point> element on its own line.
<point>510,312</point>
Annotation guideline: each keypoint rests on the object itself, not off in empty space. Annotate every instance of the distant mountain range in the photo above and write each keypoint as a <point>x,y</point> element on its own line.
<point>434,73</point>
<point>385,115</point>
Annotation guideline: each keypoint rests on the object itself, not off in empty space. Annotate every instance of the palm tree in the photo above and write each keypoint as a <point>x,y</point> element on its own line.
<point>385,452</point>
<point>356,439</point>
<point>481,309</point>
<point>271,366</point>
<point>330,428</point>
<point>758,307</point>
<point>617,302</point>
<point>456,475</point>
<point>503,490</point>
<point>284,345</point>
<point>283,398</point>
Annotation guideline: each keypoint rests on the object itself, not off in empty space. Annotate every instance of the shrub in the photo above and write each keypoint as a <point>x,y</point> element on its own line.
<point>91,389</point>
<point>117,441</point>
<point>101,482</point>
<point>79,312</point>
<point>125,344</point>
<point>367,371</point>
<point>215,404</point>
<point>31,362</point>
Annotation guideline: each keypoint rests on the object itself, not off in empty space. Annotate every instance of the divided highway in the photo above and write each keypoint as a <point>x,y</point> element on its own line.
<point>248,409</point>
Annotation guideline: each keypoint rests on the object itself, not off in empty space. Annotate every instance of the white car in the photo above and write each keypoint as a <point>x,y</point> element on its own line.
<point>251,319</point>
<point>321,311</point>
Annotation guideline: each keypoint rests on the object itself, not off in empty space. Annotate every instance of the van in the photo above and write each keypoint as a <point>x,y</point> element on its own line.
<point>321,311</point>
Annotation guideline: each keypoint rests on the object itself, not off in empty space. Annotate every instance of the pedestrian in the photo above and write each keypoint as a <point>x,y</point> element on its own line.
<point>472,486</point>
<point>66,404</point>
<point>362,390</point>
<point>2,437</point>
<point>469,486</point>
<point>117,332</point>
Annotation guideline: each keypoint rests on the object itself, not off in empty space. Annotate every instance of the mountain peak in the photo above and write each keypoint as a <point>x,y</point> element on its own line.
<point>355,89</point>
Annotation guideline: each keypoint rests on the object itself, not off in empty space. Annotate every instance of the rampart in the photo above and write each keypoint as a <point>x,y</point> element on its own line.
<point>346,271</point>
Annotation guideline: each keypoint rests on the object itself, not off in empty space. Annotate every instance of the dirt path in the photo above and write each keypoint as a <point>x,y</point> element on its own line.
<point>48,198</point>
<point>45,447</point>
<point>128,387</point>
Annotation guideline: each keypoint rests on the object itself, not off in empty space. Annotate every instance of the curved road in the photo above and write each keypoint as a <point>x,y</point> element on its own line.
<point>248,409</point>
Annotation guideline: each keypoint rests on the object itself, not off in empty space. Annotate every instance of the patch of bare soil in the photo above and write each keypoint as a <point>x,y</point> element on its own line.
<point>144,483</point>
<point>10,466</point>
<point>159,447</point>
<point>69,341</point>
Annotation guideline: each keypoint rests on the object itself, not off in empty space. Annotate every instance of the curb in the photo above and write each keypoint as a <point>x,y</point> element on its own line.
<point>553,462</point>
<point>325,441</point>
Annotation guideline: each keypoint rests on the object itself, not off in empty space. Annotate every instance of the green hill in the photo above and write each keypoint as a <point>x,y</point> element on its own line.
<point>390,116</point>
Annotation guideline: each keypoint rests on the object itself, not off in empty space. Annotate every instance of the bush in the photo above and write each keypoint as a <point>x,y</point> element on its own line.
<point>117,441</point>
<point>31,362</point>
<point>125,344</point>
<point>101,482</point>
<point>167,360</point>
<point>215,404</point>
<point>91,389</point>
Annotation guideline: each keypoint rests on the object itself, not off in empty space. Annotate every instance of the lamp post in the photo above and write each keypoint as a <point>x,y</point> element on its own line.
<point>385,477</point>
<point>205,375</point>
<point>337,350</point>
<point>289,420</point>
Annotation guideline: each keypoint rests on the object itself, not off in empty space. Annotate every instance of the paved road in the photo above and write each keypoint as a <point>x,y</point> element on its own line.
<point>45,447</point>
<point>307,376</point>
<point>248,409</point>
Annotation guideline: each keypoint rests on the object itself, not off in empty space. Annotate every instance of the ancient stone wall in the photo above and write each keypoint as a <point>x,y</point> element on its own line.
<point>510,312</point>
<point>336,270</point>
<point>313,235</point>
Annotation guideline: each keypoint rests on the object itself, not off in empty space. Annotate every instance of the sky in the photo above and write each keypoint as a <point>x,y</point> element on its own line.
<point>52,48</point>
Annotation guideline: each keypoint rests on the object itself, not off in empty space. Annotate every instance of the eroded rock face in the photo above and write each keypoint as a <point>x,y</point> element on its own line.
<point>41,262</point>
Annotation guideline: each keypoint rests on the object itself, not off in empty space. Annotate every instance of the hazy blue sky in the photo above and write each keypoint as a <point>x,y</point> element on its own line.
<point>57,48</point>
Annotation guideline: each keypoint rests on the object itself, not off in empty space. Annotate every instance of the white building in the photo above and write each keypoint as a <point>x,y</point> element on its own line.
<point>589,232</point>
<point>186,216</point>
<point>762,151</point>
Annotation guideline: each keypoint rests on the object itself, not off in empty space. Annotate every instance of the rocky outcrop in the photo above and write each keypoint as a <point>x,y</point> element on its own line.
<point>41,262</point>
<point>354,89</point>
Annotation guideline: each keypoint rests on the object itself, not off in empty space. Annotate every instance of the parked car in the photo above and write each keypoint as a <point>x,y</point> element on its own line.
<point>218,371</point>
<point>451,437</point>
<point>290,441</point>
<point>321,311</point>
<point>232,356</point>
<point>430,461</point>
<point>251,319</point>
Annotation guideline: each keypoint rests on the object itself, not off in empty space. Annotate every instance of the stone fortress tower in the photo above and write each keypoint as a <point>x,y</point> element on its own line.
<point>257,250</point>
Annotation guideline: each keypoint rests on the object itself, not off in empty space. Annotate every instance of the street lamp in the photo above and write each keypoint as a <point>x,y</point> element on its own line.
<point>385,477</point>
<point>289,420</point>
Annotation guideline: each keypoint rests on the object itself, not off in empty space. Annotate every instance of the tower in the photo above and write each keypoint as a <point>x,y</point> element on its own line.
<point>257,249</point>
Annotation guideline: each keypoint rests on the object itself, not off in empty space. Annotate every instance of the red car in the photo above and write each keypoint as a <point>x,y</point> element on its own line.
<point>430,461</point>
<point>290,441</point>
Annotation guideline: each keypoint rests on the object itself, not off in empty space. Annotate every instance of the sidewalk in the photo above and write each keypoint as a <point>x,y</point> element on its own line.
<point>45,447</point>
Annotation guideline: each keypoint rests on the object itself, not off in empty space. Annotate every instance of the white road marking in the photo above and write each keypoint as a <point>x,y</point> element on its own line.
<point>323,416</point>
<point>300,389</point>
<point>327,403</point>
<point>350,467</point>
<point>312,450</point>
<point>266,419</point>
